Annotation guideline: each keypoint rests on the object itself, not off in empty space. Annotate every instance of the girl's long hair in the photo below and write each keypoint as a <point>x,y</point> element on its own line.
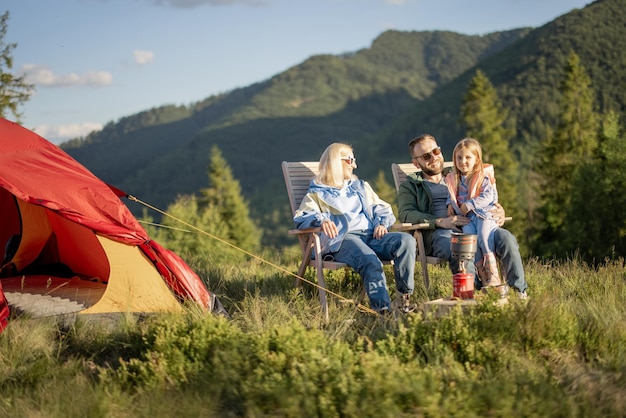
<point>475,148</point>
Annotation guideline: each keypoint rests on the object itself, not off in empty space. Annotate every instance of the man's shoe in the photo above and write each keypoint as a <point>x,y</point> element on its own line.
<point>522,295</point>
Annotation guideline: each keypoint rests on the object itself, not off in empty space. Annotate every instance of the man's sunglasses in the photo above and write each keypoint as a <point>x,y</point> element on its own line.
<point>427,156</point>
<point>349,160</point>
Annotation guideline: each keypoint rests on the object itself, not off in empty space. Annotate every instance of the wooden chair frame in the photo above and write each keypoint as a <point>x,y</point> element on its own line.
<point>298,176</point>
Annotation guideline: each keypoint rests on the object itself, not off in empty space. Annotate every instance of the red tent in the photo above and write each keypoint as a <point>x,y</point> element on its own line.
<point>68,235</point>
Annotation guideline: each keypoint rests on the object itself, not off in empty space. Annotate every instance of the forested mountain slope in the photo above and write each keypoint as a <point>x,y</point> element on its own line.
<point>163,152</point>
<point>377,98</point>
<point>528,75</point>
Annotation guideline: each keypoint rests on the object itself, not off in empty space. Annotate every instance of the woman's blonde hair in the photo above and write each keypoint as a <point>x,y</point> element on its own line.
<point>474,147</point>
<point>331,166</point>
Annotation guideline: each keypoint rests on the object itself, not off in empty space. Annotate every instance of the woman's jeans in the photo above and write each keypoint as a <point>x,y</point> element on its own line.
<point>361,251</point>
<point>507,250</point>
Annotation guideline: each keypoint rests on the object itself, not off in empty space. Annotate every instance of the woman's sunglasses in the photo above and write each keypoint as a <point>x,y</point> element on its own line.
<point>349,160</point>
<point>427,156</point>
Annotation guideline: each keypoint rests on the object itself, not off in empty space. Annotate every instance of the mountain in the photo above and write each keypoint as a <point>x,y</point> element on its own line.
<point>376,99</point>
<point>527,76</point>
<point>163,152</point>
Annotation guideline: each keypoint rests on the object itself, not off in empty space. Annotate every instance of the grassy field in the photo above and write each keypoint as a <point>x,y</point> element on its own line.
<point>562,353</point>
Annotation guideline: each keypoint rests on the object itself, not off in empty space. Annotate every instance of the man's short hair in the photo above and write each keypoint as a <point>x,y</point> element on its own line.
<point>419,140</point>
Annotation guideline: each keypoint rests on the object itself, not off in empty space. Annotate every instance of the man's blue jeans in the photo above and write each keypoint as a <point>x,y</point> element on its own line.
<point>507,250</point>
<point>361,251</point>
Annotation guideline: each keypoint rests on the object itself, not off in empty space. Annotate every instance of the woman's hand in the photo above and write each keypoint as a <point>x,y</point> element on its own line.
<point>380,231</point>
<point>329,228</point>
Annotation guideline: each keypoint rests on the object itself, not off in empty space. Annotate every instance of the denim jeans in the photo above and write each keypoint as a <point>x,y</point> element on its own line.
<point>361,251</point>
<point>507,251</point>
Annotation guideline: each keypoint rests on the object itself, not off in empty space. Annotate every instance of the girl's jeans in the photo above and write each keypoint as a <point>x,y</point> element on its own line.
<point>507,250</point>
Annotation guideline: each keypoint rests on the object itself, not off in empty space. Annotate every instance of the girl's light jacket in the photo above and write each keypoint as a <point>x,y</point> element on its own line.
<point>482,193</point>
<point>323,202</point>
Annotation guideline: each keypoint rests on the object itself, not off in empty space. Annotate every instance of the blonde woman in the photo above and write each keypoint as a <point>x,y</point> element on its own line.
<point>355,224</point>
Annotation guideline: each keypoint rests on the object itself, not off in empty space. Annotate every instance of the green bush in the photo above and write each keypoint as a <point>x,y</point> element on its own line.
<point>560,353</point>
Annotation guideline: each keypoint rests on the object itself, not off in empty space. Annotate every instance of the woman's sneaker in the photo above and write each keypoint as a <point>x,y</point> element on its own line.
<point>385,313</point>
<point>403,303</point>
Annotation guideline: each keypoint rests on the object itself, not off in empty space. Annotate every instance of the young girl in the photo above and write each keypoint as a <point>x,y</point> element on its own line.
<point>473,193</point>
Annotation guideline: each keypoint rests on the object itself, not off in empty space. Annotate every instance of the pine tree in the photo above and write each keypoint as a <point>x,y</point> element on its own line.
<point>188,242</point>
<point>219,214</point>
<point>485,119</point>
<point>14,91</point>
<point>594,227</point>
<point>572,144</point>
<point>224,196</point>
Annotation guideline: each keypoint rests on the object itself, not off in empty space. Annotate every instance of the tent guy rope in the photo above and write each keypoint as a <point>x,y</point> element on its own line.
<point>358,305</point>
<point>162,226</point>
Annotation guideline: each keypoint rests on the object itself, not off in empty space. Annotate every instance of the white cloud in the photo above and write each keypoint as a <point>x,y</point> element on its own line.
<point>396,2</point>
<point>42,76</point>
<point>58,134</point>
<point>143,57</point>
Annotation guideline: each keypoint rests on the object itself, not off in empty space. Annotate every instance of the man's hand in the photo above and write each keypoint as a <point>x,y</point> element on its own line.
<point>329,228</point>
<point>453,222</point>
<point>498,214</point>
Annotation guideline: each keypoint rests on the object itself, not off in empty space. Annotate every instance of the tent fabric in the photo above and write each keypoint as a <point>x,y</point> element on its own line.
<point>4,310</point>
<point>148,290</point>
<point>54,191</point>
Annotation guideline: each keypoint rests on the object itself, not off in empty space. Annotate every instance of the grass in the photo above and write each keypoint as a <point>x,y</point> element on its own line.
<point>559,354</point>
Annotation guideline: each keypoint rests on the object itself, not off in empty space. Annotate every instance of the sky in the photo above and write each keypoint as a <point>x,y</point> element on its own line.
<point>96,61</point>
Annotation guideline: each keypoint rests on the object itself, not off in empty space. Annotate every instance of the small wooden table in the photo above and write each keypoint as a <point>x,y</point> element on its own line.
<point>442,306</point>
